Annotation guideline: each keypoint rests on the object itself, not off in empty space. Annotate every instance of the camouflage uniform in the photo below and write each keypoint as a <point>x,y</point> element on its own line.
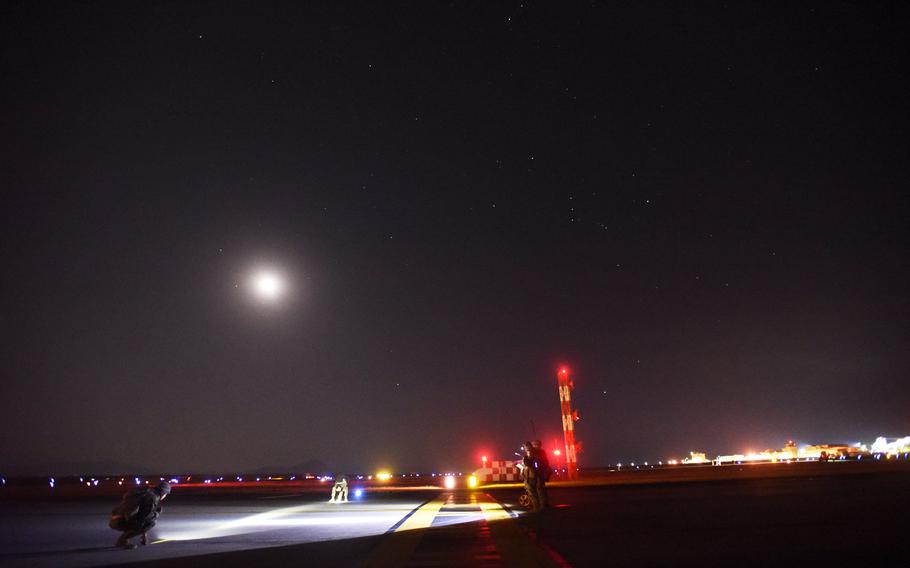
<point>340,490</point>
<point>137,513</point>
<point>531,476</point>
<point>539,456</point>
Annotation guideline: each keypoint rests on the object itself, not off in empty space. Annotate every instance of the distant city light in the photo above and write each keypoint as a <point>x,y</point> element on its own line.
<point>881,445</point>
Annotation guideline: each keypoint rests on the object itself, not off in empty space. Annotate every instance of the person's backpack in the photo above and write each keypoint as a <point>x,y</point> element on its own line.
<point>124,511</point>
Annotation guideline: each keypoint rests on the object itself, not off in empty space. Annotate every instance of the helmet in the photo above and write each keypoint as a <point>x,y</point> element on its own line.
<point>536,443</point>
<point>526,445</point>
<point>163,488</point>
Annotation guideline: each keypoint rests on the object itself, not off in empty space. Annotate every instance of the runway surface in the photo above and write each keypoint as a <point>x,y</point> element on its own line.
<point>856,520</point>
<point>75,533</point>
<point>383,529</point>
<point>755,521</point>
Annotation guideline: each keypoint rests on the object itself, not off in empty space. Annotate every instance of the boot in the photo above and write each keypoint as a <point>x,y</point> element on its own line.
<point>123,542</point>
<point>144,539</point>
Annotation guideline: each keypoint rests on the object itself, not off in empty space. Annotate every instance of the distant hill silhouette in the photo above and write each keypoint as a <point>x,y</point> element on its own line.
<point>309,466</point>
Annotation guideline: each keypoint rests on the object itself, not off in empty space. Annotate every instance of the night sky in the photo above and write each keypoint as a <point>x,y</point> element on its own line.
<point>700,208</point>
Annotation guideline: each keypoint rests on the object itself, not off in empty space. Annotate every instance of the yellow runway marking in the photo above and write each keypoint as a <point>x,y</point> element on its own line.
<point>422,517</point>
<point>514,545</point>
<point>493,511</point>
<point>397,547</point>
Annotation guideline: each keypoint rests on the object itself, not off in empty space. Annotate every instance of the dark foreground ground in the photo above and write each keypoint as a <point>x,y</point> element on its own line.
<point>813,516</point>
<point>861,520</point>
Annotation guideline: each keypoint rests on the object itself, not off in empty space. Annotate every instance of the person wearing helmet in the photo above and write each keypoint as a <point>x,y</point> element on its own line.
<point>530,475</point>
<point>543,469</point>
<point>137,513</point>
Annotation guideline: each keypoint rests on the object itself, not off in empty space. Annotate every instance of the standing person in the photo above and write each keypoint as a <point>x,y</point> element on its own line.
<point>137,513</point>
<point>539,455</point>
<point>530,475</point>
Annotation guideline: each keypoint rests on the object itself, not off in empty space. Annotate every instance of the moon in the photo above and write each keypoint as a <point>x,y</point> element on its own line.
<point>267,285</point>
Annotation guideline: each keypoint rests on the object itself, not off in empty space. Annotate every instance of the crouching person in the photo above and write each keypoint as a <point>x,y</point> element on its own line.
<point>137,513</point>
<point>340,490</point>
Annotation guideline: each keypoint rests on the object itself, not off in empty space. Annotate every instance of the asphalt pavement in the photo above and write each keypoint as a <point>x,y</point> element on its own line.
<point>400,528</point>
<point>75,533</point>
<point>816,517</point>
<point>806,520</point>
